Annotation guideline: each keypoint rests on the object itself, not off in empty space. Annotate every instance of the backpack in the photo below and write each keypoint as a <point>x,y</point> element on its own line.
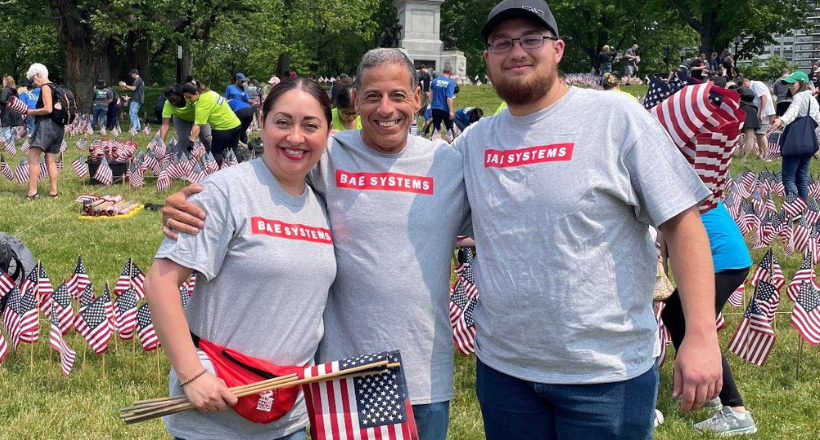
<point>65,106</point>
<point>15,258</point>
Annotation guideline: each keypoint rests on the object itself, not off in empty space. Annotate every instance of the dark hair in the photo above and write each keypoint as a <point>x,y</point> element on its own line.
<point>475,114</point>
<point>344,96</point>
<point>308,86</point>
<point>802,88</point>
<point>193,87</point>
<point>174,91</point>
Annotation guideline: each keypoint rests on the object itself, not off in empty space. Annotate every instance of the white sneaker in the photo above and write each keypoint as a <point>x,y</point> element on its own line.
<point>727,423</point>
<point>658,417</point>
<point>713,404</point>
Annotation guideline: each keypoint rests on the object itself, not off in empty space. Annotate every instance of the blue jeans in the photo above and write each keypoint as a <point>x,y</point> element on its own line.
<point>8,135</point>
<point>524,410</point>
<point>134,115</point>
<point>432,420</point>
<point>100,114</point>
<point>298,435</point>
<point>30,124</point>
<point>796,175</point>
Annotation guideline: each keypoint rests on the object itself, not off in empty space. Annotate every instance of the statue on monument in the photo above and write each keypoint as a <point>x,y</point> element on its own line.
<point>391,36</point>
<point>449,39</point>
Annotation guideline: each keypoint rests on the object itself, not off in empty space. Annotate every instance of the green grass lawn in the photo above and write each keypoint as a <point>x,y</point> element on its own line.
<point>39,403</point>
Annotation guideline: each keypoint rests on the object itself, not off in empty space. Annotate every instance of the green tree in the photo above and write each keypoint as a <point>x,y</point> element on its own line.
<point>751,22</point>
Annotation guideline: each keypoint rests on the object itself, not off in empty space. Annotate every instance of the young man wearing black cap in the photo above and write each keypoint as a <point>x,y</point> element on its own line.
<point>565,334</point>
<point>137,98</point>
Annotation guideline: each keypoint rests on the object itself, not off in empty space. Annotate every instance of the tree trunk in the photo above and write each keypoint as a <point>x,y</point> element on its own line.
<point>85,61</point>
<point>708,30</point>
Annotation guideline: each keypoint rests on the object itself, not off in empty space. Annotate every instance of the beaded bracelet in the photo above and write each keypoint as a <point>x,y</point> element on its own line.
<point>191,379</point>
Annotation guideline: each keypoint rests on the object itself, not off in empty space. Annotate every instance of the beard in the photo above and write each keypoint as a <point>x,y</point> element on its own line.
<point>524,90</point>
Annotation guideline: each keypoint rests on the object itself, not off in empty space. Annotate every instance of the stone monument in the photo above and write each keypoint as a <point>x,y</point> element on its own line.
<point>421,23</point>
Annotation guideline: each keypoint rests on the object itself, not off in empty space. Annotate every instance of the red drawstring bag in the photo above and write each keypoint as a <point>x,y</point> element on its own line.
<point>238,369</point>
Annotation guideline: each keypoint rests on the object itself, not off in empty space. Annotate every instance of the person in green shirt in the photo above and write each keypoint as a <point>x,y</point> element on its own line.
<point>176,108</point>
<point>344,115</point>
<point>212,108</point>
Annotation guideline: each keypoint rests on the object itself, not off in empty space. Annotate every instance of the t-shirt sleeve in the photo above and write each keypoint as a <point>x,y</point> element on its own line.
<point>204,106</point>
<point>166,110</point>
<point>662,179</point>
<point>451,89</point>
<point>205,251</point>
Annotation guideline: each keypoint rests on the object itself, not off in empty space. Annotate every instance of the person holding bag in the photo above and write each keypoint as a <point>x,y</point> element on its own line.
<point>799,141</point>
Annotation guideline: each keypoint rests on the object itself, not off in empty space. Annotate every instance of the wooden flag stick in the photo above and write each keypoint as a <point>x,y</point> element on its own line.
<point>103,366</point>
<point>143,412</point>
<point>31,359</point>
<point>85,347</point>
<point>799,358</point>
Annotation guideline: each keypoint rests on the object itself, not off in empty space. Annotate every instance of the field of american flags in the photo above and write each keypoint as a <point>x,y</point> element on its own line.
<point>39,402</point>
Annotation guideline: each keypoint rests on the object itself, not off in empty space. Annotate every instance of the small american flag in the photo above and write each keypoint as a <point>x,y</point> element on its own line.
<point>657,92</point>
<point>804,273</point>
<point>800,235</point>
<point>135,175</point>
<point>124,281</point>
<point>109,307</point>
<point>768,298</point>
<point>8,146</point>
<point>210,164</point>
<point>45,289</point>
<point>6,283</point>
<point>22,171</point>
<point>82,143</point>
<point>736,298</point>
<point>80,166</point>
<point>30,282</point>
<point>147,130</point>
<point>463,299</point>
<point>137,280</point>
<point>87,297</point>
<point>754,337</point>
<point>806,314</point>
<point>5,168</point>
<point>145,329</point>
<point>57,342</point>
<point>79,279</point>
<point>20,317</point>
<point>92,323</point>
<point>184,296</point>
<point>769,270</point>
<point>61,306</point>
<point>132,131</point>
<point>104,174</point>
<point>125,307</point>
<point>4,348</point>
<point>368,407</point>
<point>198,149</point>
<point>163,181</point>
<point>664,338</point>
<point>794,205</point>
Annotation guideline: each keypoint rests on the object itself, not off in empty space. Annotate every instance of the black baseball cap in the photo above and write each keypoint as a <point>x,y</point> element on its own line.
<point>533,10</point>
<point>134,72</point>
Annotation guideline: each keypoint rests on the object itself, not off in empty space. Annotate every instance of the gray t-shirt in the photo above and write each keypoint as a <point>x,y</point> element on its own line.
<point>395,218</point>
<point>102,96</point>
<point>264,264</point>
<point>561,202</point>
<point>139,91</point>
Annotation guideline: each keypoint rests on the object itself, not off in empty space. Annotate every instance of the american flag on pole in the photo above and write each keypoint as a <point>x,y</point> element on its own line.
<point>736,298</point>
<point>184,296</point>
<point>754,337</point>
<point>804,273</point>
<point>138,280</point>
<point>124,281</point>
<point>57,342</point>
<point>92,324</point>
<point>145,329</point>
<point>125,307</point>
<point>79,166</point>
<point>768,299</point>
<point>61,306</point>
<point>22,171</point>
<point>30,282</point>
<point>87,297</point>
<point>78,280</point>
<point>768,270</point>
<point>664,338</point>
<point>6,283</point>
<point>806,313</point>
<point>44,290</point>
<point>5,168</point>
<point>21,317</point>
<point>794,205</point>
<point>4,348</point>
<point>109,307</point>
<point>9,146</point>
<point>367,407</point>
<point>463,299</point>
<point>104,174</point>
<point>191,284</point>
<point>657,92</point>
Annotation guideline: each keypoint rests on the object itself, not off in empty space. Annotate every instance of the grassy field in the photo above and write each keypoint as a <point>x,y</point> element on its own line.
<point>39,403</point>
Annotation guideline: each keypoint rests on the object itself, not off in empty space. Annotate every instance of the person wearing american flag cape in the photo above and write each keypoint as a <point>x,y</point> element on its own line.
<point>264,266</point>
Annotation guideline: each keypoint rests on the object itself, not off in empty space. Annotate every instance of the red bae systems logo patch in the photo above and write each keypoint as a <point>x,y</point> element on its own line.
<point>290,231</point>
<point>528,155</point>
<point>384,182</point>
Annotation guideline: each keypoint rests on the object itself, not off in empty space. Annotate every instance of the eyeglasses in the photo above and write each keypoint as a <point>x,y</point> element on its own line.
<point>528,42</point>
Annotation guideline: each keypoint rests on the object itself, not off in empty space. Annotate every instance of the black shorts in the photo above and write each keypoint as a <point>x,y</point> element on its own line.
<point>48,135</point>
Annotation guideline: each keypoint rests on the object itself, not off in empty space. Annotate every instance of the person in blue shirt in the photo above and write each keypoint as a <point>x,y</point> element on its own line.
<point>237,89</point>
<point>30,97</point>
<point>443,91</point>
<point>466,116</point>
